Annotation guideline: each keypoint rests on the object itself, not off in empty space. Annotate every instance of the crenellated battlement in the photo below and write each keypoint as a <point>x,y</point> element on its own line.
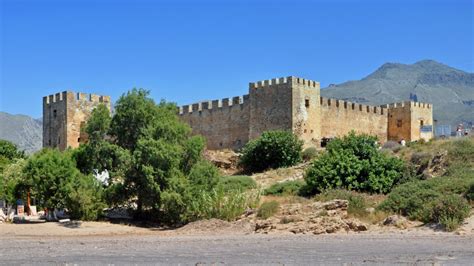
<point>335,103</point>
<point>214,105</point>
<point>283,80</point>
<point>408,104</point>
<point>62,96</point>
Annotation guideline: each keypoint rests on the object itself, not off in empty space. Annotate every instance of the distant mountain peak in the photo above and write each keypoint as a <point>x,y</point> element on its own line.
<point>450,90</point>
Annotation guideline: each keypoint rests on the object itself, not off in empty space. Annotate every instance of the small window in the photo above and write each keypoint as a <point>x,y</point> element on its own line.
<point>305,131</point>
<point>399,123</point>
<point>421,122</point>
<point>55,113</point>
<point>306,103</point>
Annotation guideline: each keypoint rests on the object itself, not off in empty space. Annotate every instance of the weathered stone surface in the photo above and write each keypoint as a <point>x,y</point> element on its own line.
<point>295,104</point>
<point>64,114</point>
<point>289,103</point>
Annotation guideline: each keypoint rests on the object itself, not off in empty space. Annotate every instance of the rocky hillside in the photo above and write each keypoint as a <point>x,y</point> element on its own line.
<point>449,89</point>
<point>22,130</point>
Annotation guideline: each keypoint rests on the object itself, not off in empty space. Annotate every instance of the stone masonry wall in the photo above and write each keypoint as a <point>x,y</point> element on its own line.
<point>224,123</point>
<point>406,118</point>
<point>306,111</point>
<point>64,114</point>
<point>54,117</point>
<point>79,109</point>
<point>340,117</point>
<point>270,106</point>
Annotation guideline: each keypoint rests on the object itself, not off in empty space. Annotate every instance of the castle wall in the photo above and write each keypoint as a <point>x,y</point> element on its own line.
<point>338,118</point>
<point>270,106</point>
<point>224,123</point>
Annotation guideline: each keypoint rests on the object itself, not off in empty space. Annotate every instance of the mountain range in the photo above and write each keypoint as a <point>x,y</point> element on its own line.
<point>24,131</point>
<point>451,91</point>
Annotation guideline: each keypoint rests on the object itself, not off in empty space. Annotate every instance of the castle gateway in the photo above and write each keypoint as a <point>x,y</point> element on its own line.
<point>289,103</point>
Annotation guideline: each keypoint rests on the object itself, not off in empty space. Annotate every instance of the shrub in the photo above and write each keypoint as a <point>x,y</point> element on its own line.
<point>203,176</point>
<point>268,209</point>
<point>273,149</point>
<point>309,154</point>
<point>354,163</point>
<point>238,182</point>
<point>220,204</point>
<point>435,200</point>
<point>357,206</point>
<point>450,211</point>
<point>292,187</point>
<point>412,199</point>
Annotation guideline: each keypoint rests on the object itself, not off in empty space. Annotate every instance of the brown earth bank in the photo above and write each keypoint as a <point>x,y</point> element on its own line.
<point>336,222</point>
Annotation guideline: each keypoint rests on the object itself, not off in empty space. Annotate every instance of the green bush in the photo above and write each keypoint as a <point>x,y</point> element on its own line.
<point>357,206</point>
<point>292,187</point>
<point>411,199</point>
<point>53,179</point>
<point>273,149</point>
<point>450,211</point>
<point>268,209</point>
<point>354,162</point>
<point>435,200</point>
<point>238,182</point>
<point>220,204</point>
<point>309,154</point>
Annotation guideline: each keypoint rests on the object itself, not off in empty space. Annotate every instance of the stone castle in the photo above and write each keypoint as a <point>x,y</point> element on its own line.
<point>65,114</point>
<point>289,103</point>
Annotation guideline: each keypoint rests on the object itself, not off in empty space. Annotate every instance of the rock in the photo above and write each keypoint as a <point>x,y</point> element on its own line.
<point>356,225</point>
<point>336,204</point>
<point>395,220</point>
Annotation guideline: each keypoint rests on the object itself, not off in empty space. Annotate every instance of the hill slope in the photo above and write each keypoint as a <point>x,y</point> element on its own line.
<point>22,130</point>
<point>450,90</point>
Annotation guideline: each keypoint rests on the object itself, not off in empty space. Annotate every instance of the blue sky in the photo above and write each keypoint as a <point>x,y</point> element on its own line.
<point>187,51</point>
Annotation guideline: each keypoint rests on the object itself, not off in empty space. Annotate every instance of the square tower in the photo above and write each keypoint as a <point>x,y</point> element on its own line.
<point>64,114</point>
<point>410,121</point>
<point>289,103</point>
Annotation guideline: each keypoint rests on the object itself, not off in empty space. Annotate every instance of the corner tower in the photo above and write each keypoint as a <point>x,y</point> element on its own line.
<point>410,121</point>
<point>64,114</point>
<point>289,103</point>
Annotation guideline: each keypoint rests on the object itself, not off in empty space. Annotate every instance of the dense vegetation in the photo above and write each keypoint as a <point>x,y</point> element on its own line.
<point>355,163</point>
<point>154,165</point>
<point>273,149</point>
<point>443,199</point>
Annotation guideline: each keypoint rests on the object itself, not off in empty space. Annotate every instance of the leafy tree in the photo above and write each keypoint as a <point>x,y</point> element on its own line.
<point>53,179</point>
<point>273,149</point>
<point>166,160</point>
<point>98,123</point>
<point>354,162</point>
<point>135,112</point>
<point>8,153</point>
<point>10,177</point>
